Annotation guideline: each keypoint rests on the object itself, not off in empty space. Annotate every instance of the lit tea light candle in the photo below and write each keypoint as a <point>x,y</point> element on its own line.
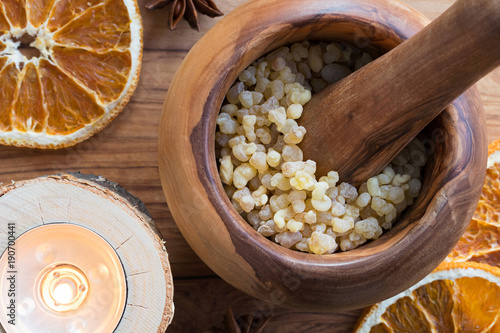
<point>63,278</point>
<point>64,288</point>
<point>104,270</point>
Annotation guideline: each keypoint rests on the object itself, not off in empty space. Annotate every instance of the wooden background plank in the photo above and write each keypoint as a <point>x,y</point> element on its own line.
<point>126,152</point>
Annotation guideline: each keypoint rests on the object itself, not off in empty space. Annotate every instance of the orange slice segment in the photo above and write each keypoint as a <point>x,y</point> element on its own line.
<point>29,113</point>
<point>487,258</point>
<point>3,60</point>
<point>105,73</point>
<point>481,240</point>
<point>426,297</point>
<point>72,106</point>
<point>406,315</point>
<point>76,78</point>
<point>456,297</point>
<point>103,34</point>
<point>8,86</point>
<point>66,10</point>
<point>15,11</point>
<point>479,311</point>
<point>39,11</point>
<point>4,24</point>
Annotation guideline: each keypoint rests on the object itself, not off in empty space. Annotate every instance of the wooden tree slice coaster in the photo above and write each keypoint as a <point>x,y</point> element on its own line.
<point>114,214</point>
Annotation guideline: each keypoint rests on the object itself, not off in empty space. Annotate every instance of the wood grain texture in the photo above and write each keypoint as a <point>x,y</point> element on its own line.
<point>95,203</point>
<point>379,109</point>
<point>126,152</point>
<point>195,302</point>
<point>347,280</point>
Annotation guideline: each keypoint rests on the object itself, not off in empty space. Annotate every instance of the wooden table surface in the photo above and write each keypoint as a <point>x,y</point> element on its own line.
<point>126,152</point>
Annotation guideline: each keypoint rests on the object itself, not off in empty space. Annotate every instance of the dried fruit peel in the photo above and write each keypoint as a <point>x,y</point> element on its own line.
<point>88,67</point>
<point>481,240</point>
<point>461,295</point>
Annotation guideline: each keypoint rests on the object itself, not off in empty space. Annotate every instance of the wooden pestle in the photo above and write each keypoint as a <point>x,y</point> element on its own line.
<point>359,124</point>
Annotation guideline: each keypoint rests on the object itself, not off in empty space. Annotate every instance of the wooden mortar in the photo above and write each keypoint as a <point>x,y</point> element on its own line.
<point>423,235</point>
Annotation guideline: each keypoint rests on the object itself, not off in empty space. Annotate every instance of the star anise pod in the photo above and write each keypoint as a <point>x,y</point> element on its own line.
<point>187,9</point>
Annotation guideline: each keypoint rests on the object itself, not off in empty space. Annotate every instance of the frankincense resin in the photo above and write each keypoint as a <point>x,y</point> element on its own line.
<point>262,166</point>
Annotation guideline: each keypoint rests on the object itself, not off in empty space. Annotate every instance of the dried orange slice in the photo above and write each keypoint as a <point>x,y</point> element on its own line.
<point>456,297</point>
<point>481,240</point>
<point>67,68</point>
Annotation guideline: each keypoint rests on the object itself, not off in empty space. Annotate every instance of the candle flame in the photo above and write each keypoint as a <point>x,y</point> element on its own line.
<point>64,293</point>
